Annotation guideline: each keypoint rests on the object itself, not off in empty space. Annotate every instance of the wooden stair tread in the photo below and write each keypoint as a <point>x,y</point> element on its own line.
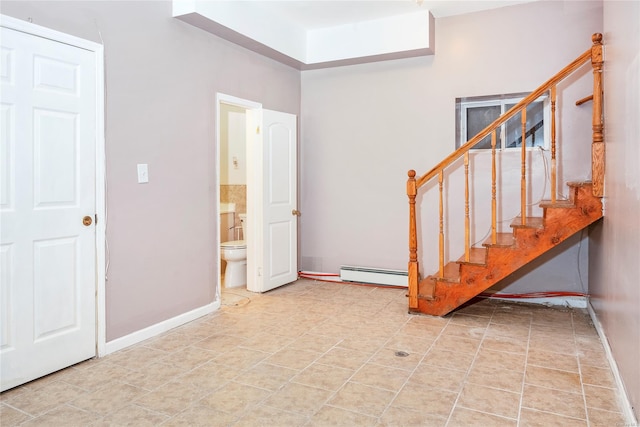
<point>547,204</point>
<point>579,187</point>
<point>451,273</point>
<point>579,183</point>
<point>531,222</point>
<point>503,240</point>
<point>477,256</point>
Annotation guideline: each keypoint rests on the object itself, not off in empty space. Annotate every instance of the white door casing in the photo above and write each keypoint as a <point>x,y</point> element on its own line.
<point>50,265</point>
<point>252,110</point>
<point>276,263</point>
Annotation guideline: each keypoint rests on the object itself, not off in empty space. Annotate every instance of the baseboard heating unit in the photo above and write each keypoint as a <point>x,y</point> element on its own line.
<point>377,276</point>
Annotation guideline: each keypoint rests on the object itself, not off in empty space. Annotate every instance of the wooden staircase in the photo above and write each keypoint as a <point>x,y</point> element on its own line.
<point>456,282</point>
<point>492,262</point>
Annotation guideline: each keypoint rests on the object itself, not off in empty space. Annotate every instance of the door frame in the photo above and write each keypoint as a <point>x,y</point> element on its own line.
<point>100,160</point>
<point>254,114</point>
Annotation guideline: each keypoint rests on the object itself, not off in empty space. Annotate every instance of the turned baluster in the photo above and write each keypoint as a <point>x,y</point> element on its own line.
<point>441,236</point>
<point>466,207</point>
<point>523,178</point>
<point>597,146</point>
<point>553,144</point>
<point>494,232</point>
<point>413,241</point>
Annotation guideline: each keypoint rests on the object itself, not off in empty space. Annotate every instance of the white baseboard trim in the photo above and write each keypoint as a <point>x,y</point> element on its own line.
<point>574,302</point>
<point>630,419</point>
<point>158,328</point>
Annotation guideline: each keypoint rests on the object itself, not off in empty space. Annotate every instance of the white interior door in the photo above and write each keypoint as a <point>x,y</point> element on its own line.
<point>47,186</point>
<point>278,258</point>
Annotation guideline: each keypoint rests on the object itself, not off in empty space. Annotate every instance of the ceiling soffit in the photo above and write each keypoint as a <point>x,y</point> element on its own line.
<point>263,30</point>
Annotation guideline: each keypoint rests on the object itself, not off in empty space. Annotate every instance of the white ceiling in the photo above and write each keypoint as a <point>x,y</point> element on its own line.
<point>313,14</point>
<point>309,34</point>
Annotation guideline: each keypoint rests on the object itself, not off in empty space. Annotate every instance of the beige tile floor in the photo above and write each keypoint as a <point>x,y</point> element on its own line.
<point>326,354</point>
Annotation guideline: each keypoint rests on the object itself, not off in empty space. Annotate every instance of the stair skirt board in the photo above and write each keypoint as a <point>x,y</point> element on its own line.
<point>377,276</point>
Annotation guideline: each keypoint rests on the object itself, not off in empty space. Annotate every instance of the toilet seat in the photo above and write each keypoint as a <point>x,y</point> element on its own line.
<point>234,244</point>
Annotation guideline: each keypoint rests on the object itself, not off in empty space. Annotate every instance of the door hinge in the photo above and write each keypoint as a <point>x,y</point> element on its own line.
<point>258,129</point>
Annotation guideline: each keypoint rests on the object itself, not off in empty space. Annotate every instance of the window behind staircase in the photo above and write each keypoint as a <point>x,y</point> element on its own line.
<point>474,114</point>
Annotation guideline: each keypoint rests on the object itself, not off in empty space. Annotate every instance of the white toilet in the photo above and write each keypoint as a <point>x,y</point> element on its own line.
<point>235,254</point>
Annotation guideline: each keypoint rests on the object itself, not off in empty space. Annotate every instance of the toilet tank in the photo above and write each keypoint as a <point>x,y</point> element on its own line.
<point>243,222</point>
<point>227,222</point>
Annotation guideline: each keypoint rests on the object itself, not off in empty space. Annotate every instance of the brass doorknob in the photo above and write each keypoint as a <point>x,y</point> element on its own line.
<point>296,212</point>
<point>87,220</point>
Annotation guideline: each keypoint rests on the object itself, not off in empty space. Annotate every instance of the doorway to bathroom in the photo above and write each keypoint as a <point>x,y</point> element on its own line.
<point>257,176</point>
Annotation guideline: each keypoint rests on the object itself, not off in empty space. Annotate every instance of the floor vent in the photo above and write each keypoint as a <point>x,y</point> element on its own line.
<point>378,276</point>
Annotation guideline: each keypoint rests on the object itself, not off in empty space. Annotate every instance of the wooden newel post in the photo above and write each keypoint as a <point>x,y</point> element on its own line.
<point>413,241</point>
<point>597,145</point>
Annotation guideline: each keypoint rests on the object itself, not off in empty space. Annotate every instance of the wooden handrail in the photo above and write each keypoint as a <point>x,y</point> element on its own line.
<point>561,75</point>
<point>583,100</point>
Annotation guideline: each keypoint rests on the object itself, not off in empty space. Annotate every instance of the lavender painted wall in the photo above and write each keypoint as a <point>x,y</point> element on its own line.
<point>162,76</point>
<point>615,251</point>
<point>364,126</point>
<point>359,125</point>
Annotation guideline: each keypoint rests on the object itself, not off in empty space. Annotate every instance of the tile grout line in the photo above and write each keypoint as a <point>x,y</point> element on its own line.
<point>362,365</point>
<point>464,380</point>
<point>333,393</point>
<point>524,374</point>
<point>31,417</point>
<point>407,320</point>
<point>289,382</point>
<point>396,322</point>
<point>230,380</point>
<point>414,368</point>
<point>584,395</point>
<point>574,354</point>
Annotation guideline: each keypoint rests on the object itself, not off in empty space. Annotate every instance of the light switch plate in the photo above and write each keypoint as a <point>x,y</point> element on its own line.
<point>143,173</point>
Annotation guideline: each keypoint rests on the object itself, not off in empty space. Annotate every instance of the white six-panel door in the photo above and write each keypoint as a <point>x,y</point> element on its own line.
<point>280,203</point>
<point>47,186</point>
